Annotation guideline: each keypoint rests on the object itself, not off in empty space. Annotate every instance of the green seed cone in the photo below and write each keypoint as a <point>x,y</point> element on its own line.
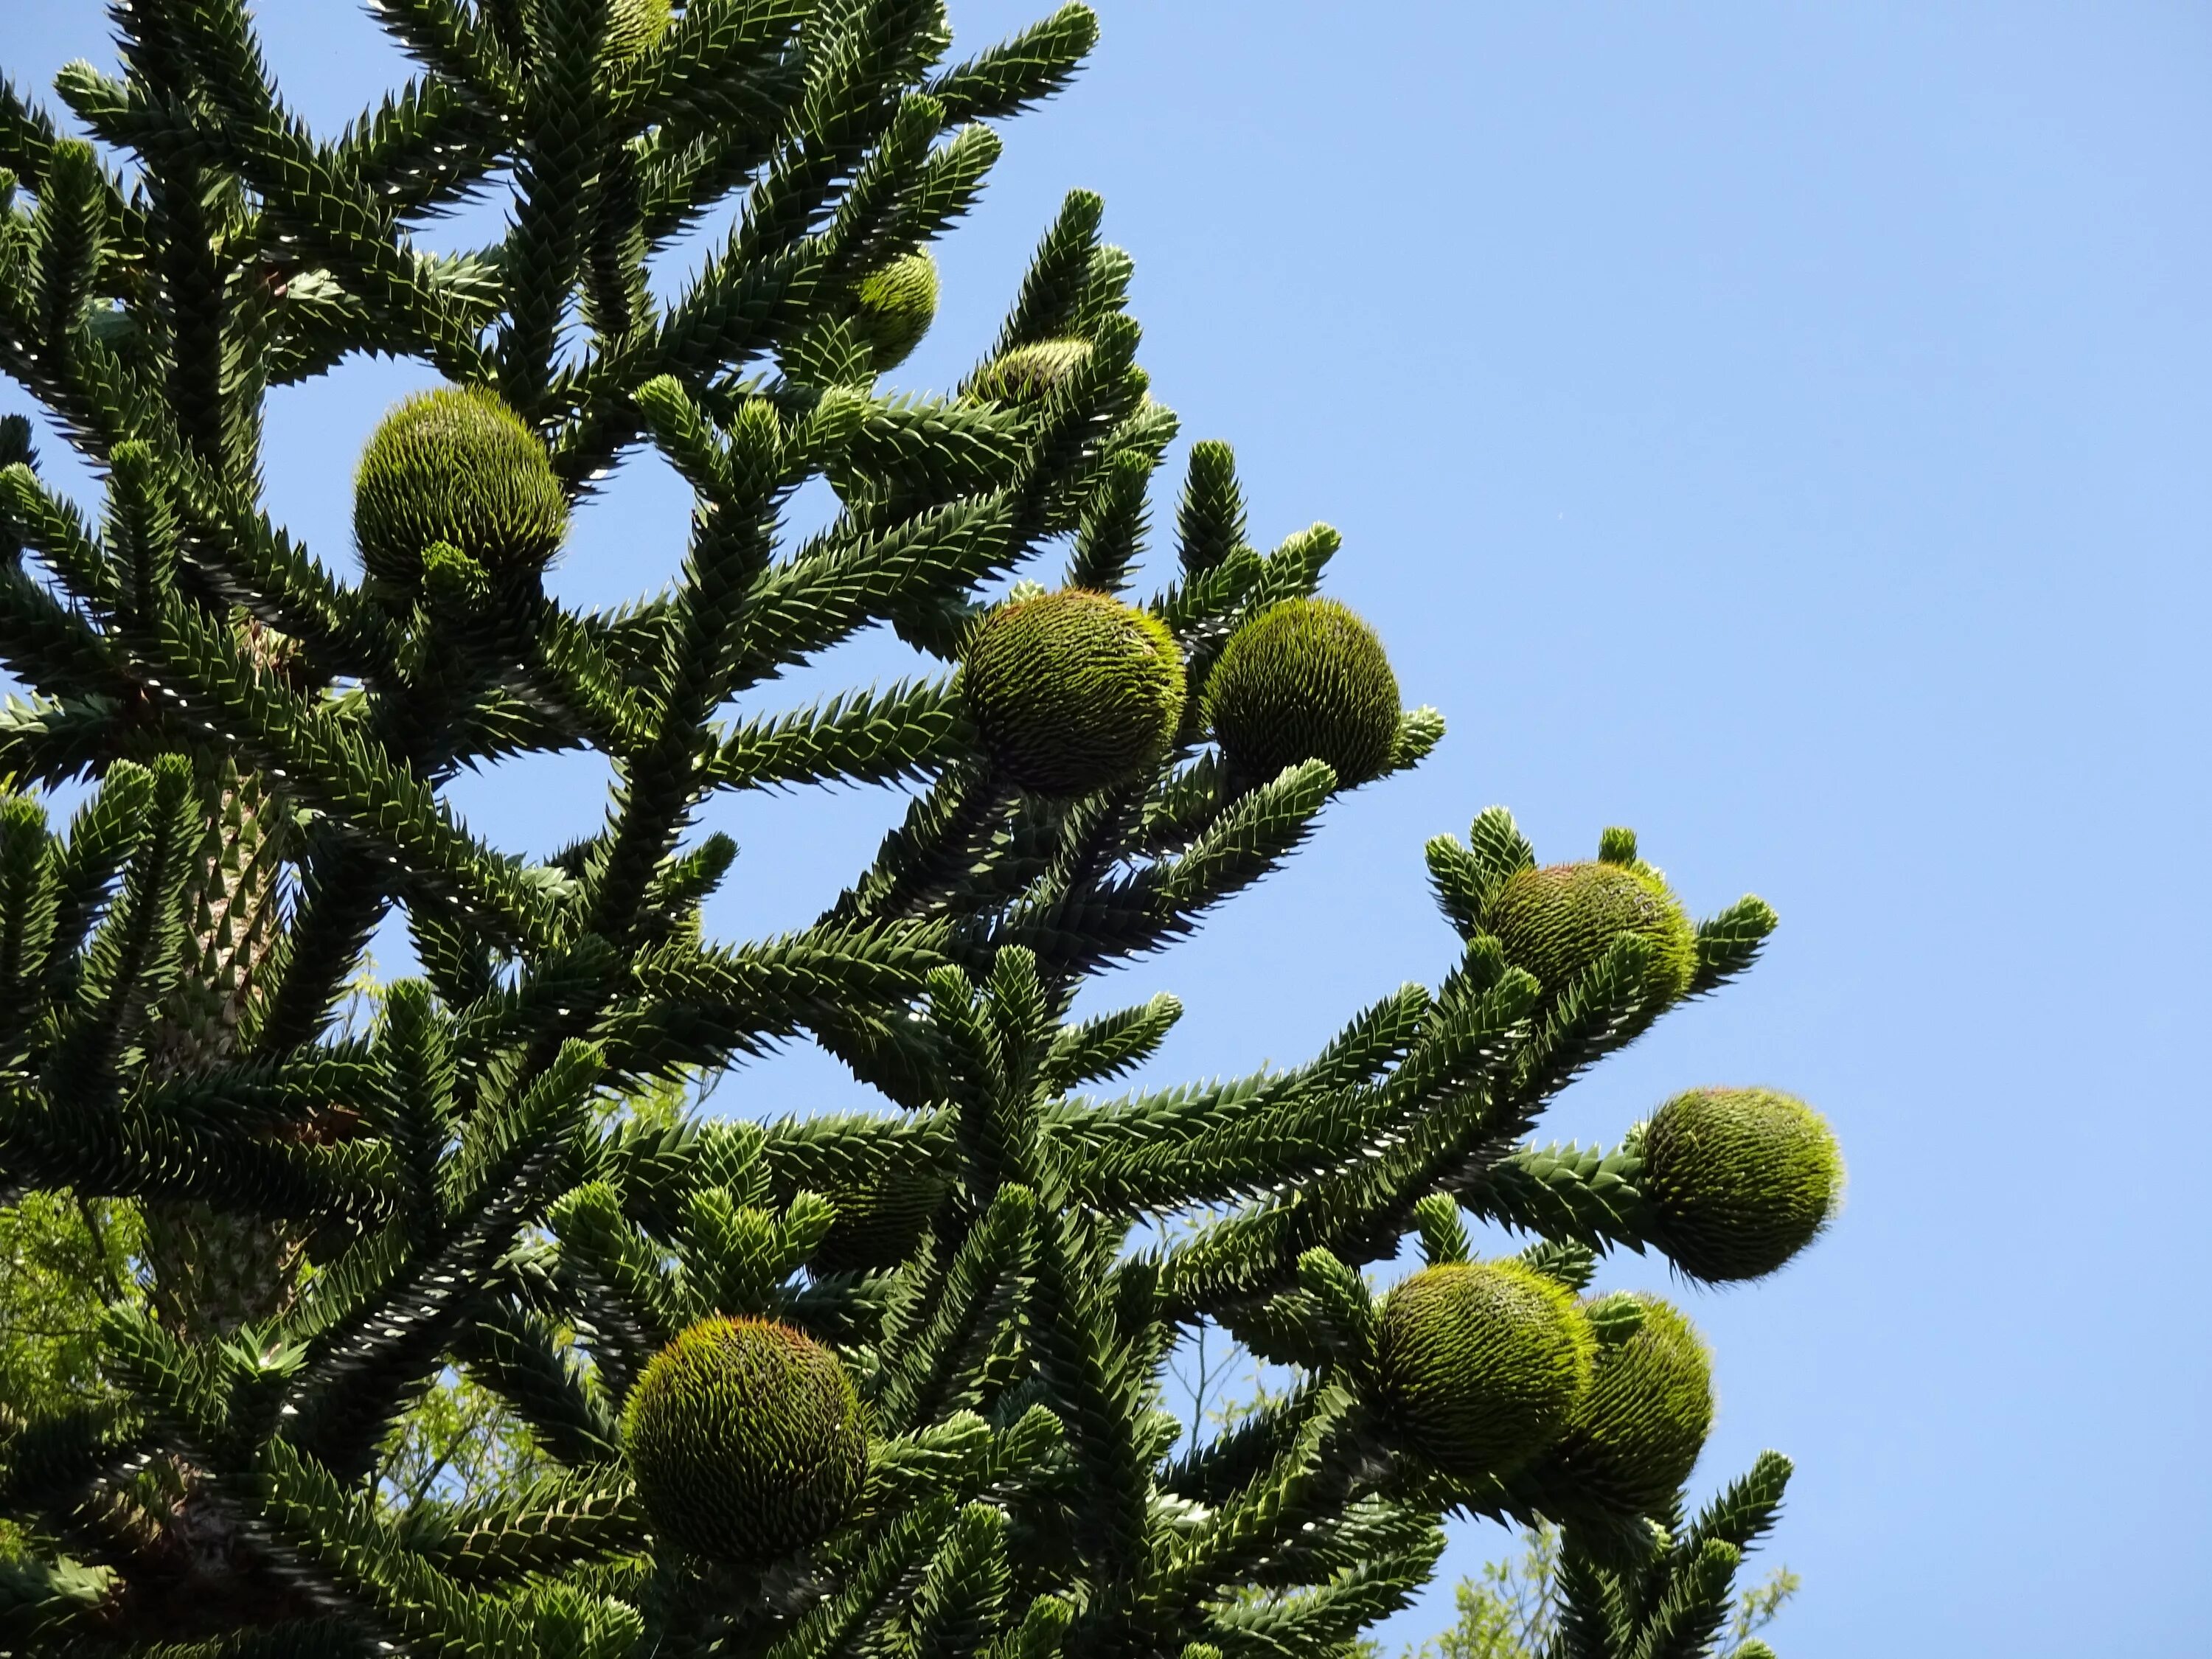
<point>1639,1430</point>
<point>1029,373</point>
<point>746,1440</point>
<point>1739,1180</point>
<point>1481,1365</point>
<point>897,307</point>
<point>879,1224</point>
<point>1072,691</point>
<point>1559,922</point>
<point>455,466</point>
<point>1303,680</point>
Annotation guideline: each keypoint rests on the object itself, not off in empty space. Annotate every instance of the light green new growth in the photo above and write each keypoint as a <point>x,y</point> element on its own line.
<point>746,1440</point>
<point>1481,1365</point>
<point>1072,691</point>
<point>1029,373</point>
<point>1305,679</point>
<point>896,307</point>
<point>1739,1180</point>
<point>633,27</point>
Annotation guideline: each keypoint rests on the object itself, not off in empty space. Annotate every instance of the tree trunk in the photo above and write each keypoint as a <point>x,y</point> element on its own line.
<point>213,1274</point>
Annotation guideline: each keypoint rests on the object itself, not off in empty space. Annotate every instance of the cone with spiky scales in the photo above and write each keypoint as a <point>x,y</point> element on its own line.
<point>1479,1366</point>
<point>1072,691</point>
<point>879,1221</point>
<point>746,1439</point>
<point>1305,679</point>
<point>1029,373</point>
<point>895,308</point>
<point>455,466</point>
<point>1559,923</point>
<point>1636,1433</point>
<point>1739,1180</point>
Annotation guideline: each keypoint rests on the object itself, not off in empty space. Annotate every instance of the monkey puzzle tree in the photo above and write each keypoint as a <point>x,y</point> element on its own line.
<point>880,1384</point>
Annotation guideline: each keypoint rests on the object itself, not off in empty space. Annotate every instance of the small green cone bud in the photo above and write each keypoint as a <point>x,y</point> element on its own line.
<point>1303,680</point>
<point>1029,373</point>
<point>1072,691</point>
<point>1739,1180</point>
<point>1559,922</point>
<point>746,1439</point>
<point>455,466</point>
<point>1481,1364</point>
<point>897,307</point>
<point>1638,1433</point>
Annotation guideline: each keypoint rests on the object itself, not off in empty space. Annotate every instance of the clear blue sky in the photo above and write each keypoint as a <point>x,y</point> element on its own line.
<point>1786,429</point>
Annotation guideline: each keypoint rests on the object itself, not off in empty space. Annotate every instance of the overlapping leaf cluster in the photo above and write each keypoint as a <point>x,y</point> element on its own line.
<point>337,1222</point>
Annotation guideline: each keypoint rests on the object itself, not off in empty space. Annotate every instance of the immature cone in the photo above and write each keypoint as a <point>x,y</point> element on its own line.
<point>1559,922</point>
<point>1303,680</point>
<point>1029,373</point>
<point>897,307</point>
<point>1481,1365</point>
<point>746,1440</point>
<point>1638,1432</point>
<point>455,466</point>
<point>1739,1180</point>
<point>879,1222</point>
<point>1072,691</point>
